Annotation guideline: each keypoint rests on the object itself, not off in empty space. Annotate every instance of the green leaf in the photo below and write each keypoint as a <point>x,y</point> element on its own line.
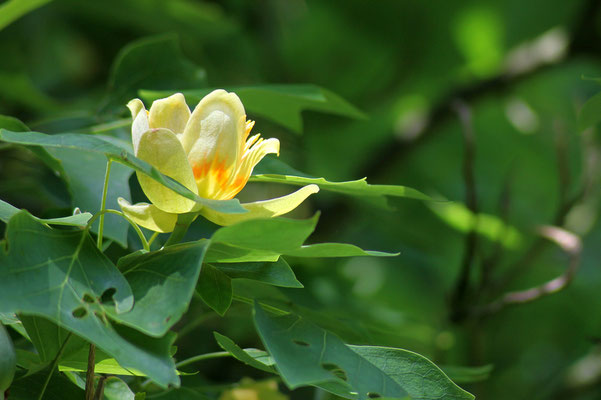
<point>162,283</point>
<point>308,355</point>
<point>12,10</point>
<point>590,113</point>
<point>8,359</point>
<point>266,239</point>
<point>81,219</point>
<point>48,338</point>
<point>151,63</point>
<point>415,373</point>
<point>461,374</point>
<point>84,173</point>
<point>116,389</point>
<point>277,235</point>
<point>215,289</point>
<point>222,253</point>
<point>59,387</point>
<point>106,366</point>
<point>282,104</point>
<point>253,357</point>
<point>65,280</point>
<point>276,273</point>
<point>322,250</point>
<point>12,124</point>
<point>101,146</point>
<point>358,187</point>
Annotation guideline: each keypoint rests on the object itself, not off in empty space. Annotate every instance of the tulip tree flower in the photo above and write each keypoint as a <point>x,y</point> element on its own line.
<point>208,151</point>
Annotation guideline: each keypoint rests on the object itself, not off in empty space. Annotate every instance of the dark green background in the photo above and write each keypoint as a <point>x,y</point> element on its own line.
<point>404,63</point>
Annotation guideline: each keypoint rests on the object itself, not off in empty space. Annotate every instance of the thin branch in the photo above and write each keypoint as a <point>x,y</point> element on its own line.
<point>569,243</point>
<point>471,239</point>
<point>90,372</point>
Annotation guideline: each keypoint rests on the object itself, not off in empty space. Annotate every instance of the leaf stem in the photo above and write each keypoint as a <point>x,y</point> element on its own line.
<point>103,203</point>
<point>54,364</point>
<point>181,227</point>
<point>154,236</point>
<point>201,357</point>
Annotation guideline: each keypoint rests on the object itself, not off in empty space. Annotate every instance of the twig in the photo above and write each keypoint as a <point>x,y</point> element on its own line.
<point>471,198</point>
<point>99,394</point>
<point>569,243</point>
<point>90,372</point>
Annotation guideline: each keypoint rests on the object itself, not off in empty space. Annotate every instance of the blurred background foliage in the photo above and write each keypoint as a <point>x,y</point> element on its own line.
<point>413,68</point>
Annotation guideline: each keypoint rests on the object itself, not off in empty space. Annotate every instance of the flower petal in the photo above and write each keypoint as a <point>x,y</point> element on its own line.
<point>213,140</point>
<point>171,113</point>
<point>262,209</point>
<point>148,216</point>
<point>251,158</point>
<point>162,149</point>
<point>140,123</point>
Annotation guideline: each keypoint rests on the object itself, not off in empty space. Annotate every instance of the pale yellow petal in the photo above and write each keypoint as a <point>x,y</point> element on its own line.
<point>250,159</point>
<point>213,139</point>
<point>135,106</point>
<point>162,149</point>
<point>140,122</point>
<point>262,209</point>
<point>148,216</point>
<point>171,113</point>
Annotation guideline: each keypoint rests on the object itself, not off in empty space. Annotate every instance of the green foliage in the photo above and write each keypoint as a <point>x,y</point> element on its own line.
<point>481,103</point>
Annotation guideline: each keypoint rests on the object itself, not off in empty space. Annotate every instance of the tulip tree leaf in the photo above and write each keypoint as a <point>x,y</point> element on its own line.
<point>415,373</point>
<point>151,63</point>
<point>215,289</point>
<point>253,357</point>
<point>276,273</point>
<point>98,145</point>
<point>222,253</point>
<point>58,388</point>
<point>461,374</point>
<point>65,280</point>
<point>282,236</point>
<point>282,104</point>
<point>12,10</point>
<point>8,210</point>
<point>48,338</point>
<point>275,171</point>
<point>162,283</point>
<point>305,354</point>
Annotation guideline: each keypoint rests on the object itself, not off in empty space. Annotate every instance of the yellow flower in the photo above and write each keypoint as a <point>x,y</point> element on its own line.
<point>208,151</point>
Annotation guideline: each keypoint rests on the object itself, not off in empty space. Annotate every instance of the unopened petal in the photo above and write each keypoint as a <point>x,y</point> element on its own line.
<point>250,159</point>
<point>213,139</point>
<point>163,150</point>
<point>140,122</point>
<point>262,209</point>
<point>171,113</point>
<point>148,216</point>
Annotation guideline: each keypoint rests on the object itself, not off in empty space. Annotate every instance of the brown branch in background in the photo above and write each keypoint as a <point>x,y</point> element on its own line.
<point>471,198</point>
<point>571,244</point>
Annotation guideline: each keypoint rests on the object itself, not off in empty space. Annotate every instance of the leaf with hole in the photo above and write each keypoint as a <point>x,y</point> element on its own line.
<point>308,355</point>
<point>53,281</point>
